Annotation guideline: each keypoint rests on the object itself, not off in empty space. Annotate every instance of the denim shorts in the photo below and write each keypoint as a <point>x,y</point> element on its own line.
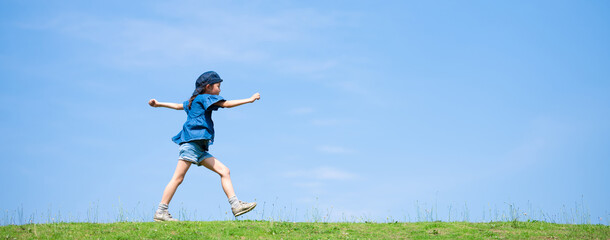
<point>193,152</point>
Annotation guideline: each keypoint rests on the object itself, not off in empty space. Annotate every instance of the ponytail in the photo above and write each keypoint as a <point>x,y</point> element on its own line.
<point>195,94</point>
<point>191,100</point>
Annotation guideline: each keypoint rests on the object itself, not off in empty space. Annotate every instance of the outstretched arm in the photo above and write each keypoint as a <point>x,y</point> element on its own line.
<point>154,103</point>
<point>235,103</point>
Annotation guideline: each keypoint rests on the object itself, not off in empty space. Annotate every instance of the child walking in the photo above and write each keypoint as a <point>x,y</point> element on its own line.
<point>196,136</point>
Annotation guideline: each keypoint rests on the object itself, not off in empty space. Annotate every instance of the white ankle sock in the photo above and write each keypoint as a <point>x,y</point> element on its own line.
<point>234,201</point>
<point>162,207</point>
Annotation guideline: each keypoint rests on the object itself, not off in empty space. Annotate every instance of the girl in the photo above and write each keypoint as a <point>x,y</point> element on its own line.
<point>196,136</point>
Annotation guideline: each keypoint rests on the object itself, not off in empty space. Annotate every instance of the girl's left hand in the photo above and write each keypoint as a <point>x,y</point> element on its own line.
<point>152,102</point>
<point>255,97</point>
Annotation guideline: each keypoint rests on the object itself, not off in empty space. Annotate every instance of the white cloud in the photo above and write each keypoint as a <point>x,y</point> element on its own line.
<point>301,111</point>
<point>207,34</point>
<point>310,184</point>
<point>181,34</point>
<point>353,87</point>
<point>146,42</point>
<point>321,173</point>
<point>330,121</point>
<point>335,149</point>
<point>536,150</point>
<point>301,66</point>
<point>333,174</point>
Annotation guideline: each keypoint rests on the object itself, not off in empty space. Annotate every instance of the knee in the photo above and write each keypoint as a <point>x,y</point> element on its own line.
<point>224,172</point>
<point>178,180</point>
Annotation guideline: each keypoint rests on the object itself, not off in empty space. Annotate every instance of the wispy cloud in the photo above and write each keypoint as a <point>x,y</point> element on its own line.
<point>537,148</point>
<point>301,111</point>
<point>148,42</point>
<point>331,121</point>
<point>353,87</point>
<point>307,66</point>
<point>335,149</point>
<point>321,173</point>
<point>182,34</point>
<point>200,34</point>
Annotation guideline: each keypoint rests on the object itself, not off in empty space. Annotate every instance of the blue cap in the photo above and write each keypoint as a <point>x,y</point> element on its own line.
<point>209,77</point>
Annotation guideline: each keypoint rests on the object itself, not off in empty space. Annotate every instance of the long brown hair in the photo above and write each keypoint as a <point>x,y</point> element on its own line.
<point>197,92</point>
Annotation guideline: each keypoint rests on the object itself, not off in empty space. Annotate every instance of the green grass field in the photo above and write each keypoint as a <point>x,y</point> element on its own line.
<point>289,230</point>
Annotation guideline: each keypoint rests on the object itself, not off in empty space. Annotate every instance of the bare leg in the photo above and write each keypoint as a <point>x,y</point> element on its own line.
<point>177,179</point>
<point>225,176</point>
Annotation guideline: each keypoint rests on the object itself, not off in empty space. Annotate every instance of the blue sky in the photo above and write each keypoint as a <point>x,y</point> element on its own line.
<point>368,111</point>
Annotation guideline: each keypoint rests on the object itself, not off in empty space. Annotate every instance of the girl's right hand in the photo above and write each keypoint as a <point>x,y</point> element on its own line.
<point>255,97</point>
<point>152,102</point>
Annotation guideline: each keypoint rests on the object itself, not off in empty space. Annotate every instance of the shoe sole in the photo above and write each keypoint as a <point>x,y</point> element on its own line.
<point>245,210</point>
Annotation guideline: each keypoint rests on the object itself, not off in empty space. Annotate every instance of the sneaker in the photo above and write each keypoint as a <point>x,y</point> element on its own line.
<point>243,207</point>
<point>161,216</point>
